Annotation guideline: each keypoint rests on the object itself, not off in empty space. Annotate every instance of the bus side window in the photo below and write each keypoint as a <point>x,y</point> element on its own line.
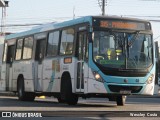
<point>27,49</point>
<point>66,47</point>
<point>19,49</point>
<point>4,52</point>
<point>53,40</point>
<point>40,50</point>
<point>10,54</point>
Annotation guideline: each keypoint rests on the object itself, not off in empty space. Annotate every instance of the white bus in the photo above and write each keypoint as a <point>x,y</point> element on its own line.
<point>93,56</point>
<point>157,79</point>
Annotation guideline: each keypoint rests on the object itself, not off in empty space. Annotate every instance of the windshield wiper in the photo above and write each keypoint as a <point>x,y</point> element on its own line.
<point>130,43</point>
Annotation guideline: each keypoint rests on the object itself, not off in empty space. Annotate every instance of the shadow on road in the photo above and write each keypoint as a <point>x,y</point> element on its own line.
<point>14,102</point>
<point>93,103</point>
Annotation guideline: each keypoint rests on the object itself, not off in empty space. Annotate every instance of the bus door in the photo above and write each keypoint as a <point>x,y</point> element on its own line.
<point>39,56</point>
<point>9,61</point>
<point>82,69</point>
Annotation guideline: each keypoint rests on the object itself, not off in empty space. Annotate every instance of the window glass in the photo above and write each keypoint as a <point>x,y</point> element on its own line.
<point>5,52</point>
<point>27,50</point>
<point>10,54</point>
<point>140,52</point>
<point>67,38</point>
<point>53,40</point>
<point>123,50</point>
<point>40,50</point>
<point>104,46</point>
<point>19,49</point>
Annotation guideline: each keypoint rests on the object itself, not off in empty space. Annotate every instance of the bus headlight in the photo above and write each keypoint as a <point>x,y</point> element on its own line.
<point>150,79</point>
<point>97,77</point>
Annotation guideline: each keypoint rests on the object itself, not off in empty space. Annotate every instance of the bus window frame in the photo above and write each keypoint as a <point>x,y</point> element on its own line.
<point>36,37</point>
<point>74,39</point>
<point>59,40</point>
<point>16,48</point>
<point>77,30</point>
<point>32,48</point>
<point>8,43</point>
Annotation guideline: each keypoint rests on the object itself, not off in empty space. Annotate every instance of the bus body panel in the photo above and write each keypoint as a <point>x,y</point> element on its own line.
<point>51,75</point>
<point>157,62</point>
<point>24,68</point>
<point>3,78</point>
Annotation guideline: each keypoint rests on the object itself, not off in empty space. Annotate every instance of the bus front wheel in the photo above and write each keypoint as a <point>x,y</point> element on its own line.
<point>66,90</point>
<point>121,100</point>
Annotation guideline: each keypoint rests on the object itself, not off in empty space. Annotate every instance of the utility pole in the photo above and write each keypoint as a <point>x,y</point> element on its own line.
<point>74,15</point>
<point>102,4</point>
<point>3,20</point>
<point>103,7</point>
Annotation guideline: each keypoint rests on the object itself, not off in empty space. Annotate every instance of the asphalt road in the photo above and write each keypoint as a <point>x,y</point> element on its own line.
<point>143,107</point>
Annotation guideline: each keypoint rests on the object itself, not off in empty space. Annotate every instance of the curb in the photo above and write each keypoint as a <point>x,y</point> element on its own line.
<point>144,96</point>
<point>2,93</point>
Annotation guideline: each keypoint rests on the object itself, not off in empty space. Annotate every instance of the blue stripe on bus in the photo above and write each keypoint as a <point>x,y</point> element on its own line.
<point>113,80</point>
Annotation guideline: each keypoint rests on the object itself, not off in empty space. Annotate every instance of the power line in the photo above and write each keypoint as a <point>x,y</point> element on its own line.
<point>149,0</point>
<point>157,37</point>
<point>13,25</point>
<point>36,24</point>
<point>154,20</point>
<point>149,16</point>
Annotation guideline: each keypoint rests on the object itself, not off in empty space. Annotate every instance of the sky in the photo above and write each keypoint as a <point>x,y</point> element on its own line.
<point>45,11</point>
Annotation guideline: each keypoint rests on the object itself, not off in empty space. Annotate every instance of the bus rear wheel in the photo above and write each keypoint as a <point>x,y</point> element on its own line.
<point>22,95</point>
<point>121,100</point>
<point>66,91</point>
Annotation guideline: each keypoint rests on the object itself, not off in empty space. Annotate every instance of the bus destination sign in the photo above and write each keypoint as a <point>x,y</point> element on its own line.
<point>117,24</point>
<point>122,24</point>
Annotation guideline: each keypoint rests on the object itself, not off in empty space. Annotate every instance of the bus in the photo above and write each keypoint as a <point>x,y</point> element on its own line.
<point>157,75</point>
<point>92,56</point>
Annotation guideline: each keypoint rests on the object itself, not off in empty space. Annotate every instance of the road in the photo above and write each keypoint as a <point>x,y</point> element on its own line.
<point>99,108</point>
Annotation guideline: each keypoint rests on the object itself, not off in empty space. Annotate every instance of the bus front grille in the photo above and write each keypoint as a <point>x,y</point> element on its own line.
<point>118,88</point>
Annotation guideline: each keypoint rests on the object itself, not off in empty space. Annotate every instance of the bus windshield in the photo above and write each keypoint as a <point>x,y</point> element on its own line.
<point>123,50</point>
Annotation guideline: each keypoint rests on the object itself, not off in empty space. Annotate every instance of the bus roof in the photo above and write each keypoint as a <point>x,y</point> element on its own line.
<point>52,26</point>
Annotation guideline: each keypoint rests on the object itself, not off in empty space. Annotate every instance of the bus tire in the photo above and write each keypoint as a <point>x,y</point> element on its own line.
<point>66,90</point>
<point>121,100</point>
<point>30,96</point>
<point>60,100</point>
<point>22,95</point>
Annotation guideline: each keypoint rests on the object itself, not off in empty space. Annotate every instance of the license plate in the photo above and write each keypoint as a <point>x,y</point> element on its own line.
<point>125,91</point>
